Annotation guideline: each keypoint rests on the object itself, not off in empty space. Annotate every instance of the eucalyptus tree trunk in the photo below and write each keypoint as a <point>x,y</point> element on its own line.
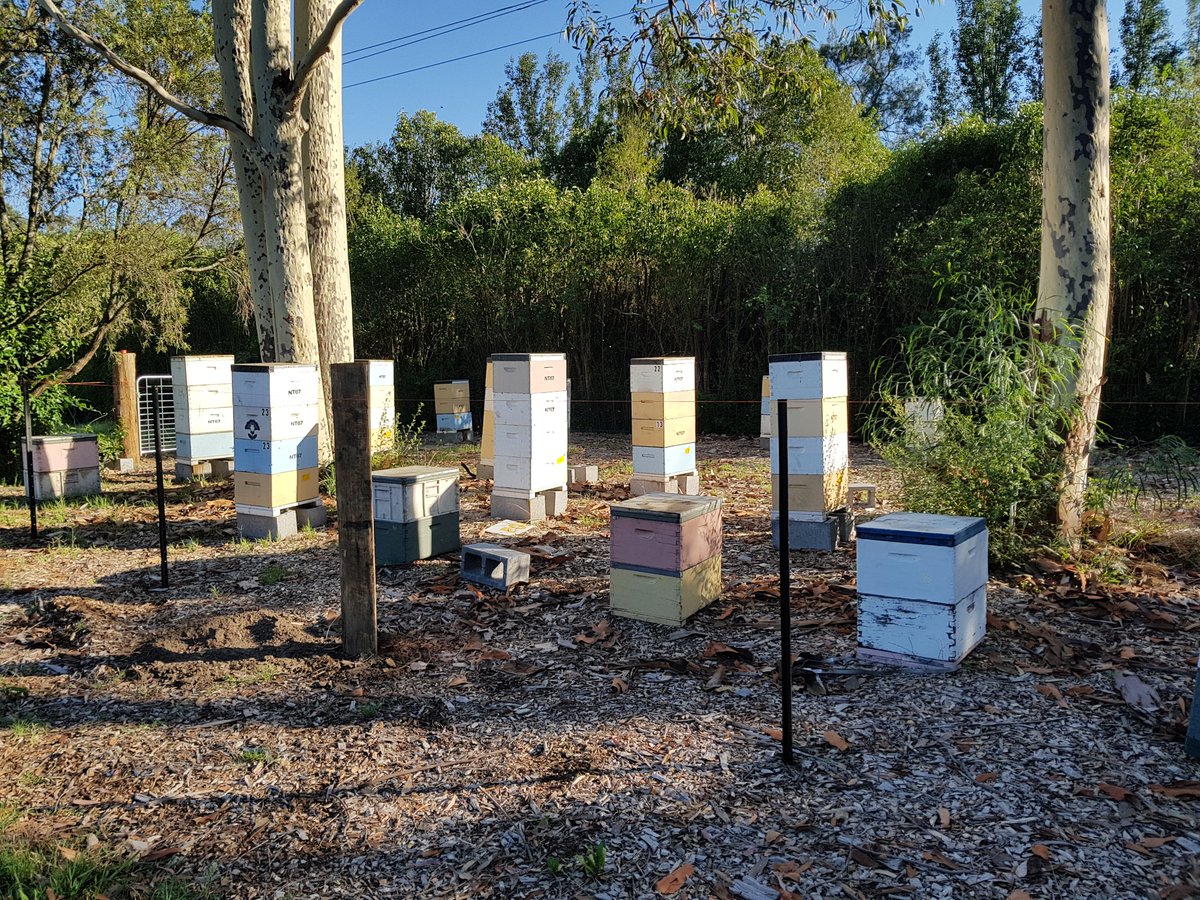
<point>325,192</point>
<point>1074,297</point>
<point>231,32</point>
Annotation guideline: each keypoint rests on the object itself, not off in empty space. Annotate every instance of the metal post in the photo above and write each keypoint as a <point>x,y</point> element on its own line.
<point>158,475</point>
<point>785,581</point>
<point>30,493</point>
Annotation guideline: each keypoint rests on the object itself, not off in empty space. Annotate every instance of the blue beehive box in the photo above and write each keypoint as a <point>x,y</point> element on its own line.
<point>453,421</point>
<point>270,457</point>
<point>922,588</point>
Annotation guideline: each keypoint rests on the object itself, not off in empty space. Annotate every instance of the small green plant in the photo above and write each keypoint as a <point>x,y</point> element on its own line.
<point>553,866</point>
<point>189,544</point>
<point>369,710</point>
<point>594,860</point>
<point>254,755</point>
<point>32,779</point>
<point>10,691</point>
<point>26,731</point>
<point>264,674</point>
<point>272,574</point>
<point>329,480</point>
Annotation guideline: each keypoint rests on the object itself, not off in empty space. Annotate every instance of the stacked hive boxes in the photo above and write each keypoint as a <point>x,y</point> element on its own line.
<point>203,393</point>
<point>452,405</point>
<point>64,465</point>
<point>275,414</point>
<point>764,414</point>
<point>818,446</point>
<point>530,462</point>
<point>663,394</point>
<point>922,588</point>
<point>487,436</point>
<point>381,403</point>
<point>416,513</point>
<point>666,557</point>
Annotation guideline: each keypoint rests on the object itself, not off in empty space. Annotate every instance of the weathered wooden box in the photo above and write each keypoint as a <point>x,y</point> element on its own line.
<point>664,532</point>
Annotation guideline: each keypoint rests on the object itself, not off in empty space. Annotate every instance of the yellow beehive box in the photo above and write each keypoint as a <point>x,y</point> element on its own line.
<point>663,432</point>
<point>815,418</point>
<point>282,489</point>
<point>673,405</point>
<point>813,493</point>
<point>665,599</point>
<point>487,441</point>
<point>487,376</point>
<point>766,386</point>
<point>443,407</point>
<point>452,390</point>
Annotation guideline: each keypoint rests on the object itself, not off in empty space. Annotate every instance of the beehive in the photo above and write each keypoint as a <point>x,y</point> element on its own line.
<point>817,471</point>
<point>529,415</point>
<point>663,424</point>
<point>922,585</point>
<point>416,513</point>
<point>275,415</point>
<point>381,403</point>
<point>203,394</point>
<point>666,556</point>
<point>452,405</point>
<point>64,465</point>
<point>487,443</point>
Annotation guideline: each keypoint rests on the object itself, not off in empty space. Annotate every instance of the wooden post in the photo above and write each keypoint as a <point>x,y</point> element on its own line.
<point>125,401</point>
<point>356,520</point>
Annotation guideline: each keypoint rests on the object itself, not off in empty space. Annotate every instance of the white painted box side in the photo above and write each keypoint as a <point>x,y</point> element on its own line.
<point>542,411</point>
<point>808,379</point>
<point>293,386</point>
<point>932,631</point>
<point>279,423</point>
<point>669,377</point>
<point>524,474</point>
<point>202,396</point>
<point>525,440</point>
<point>420,500</point>
<point>936,574</point>
<point>812,455</point>
<point>676,460</point>
<point>380,372</point>
<point>210,420</point>
<point>190,371</point>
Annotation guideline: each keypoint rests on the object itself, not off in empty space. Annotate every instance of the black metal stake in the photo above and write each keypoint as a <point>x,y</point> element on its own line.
<point>785,581</point>
<point>162,500</point>
<point>30,493</point>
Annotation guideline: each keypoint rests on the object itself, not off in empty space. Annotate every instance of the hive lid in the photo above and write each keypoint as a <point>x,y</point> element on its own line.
<point>272,367</point>
<point>62,438</point>
<point>413,474</point>
<point>831,356</point>
<point>204,356</point>
<point>921,528</point>
<point>659,360</point>
<point>525,357</point>
<point>666,507</point>
<point>454,381</point>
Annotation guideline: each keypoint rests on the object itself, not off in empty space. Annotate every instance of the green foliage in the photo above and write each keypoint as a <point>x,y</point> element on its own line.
<point>990,53</point>
<point>593,861</point>
<point>884,79</point>
<point>1147,48</point>
<point>995,450</point>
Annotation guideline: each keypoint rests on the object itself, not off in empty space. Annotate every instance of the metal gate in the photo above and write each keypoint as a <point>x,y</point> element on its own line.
<point>147,386</point>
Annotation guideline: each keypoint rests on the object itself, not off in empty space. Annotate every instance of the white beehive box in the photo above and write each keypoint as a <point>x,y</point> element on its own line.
<point>275,384</point>
<point>192,398</point>
<point>812,455</point>
<point>527,476</point>
<point>916,632</point>
<point>662,374</point>
<point>414,492</point>
<point>191,371</point>
<point>808,376</point>
<point>280,423</point>
<point>919,556</point>
<point>380,373</point>
<point>540,444</point>
<point>677,460</point>
<point>539,411</point>
<point>529,373</point>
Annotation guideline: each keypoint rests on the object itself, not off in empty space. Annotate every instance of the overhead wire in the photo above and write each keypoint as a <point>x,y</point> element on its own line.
<point>428,34</point>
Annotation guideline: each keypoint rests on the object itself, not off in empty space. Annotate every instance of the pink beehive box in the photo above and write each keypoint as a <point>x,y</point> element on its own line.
<point>665,532</point>
<point>59,452</point>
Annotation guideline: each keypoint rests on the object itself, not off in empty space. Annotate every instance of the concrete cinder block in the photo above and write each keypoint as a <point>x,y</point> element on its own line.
<point>864,490</point>
<point>311,516</point>
<point>688,483</point>
<point>808,535</point>
<point>187,471</point>
<point>494,566</point>
<point>255,527</point>
<point>221,468</point>
<point>521,509</point>
<point>122,464</point>
<point>583,474</point>
<point>556,502</point>
<point>485,471</point>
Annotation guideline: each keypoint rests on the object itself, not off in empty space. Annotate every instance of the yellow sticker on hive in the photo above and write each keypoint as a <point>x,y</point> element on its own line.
<point>560,460</point>
<point>687,450</point>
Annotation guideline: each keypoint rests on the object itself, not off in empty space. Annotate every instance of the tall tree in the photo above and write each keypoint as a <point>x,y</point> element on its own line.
<point>1192,36</point>
<point>943,93</point>
<point>109,200</point>
<point>883,77</point>
<point>1074,283</point>
<point>989,53</point>
<point>1146,45</point>
<point>530,111</point>
<point>264,84</point>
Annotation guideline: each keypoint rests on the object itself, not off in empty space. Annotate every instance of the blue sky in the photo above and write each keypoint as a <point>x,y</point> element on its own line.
<point>460,91</point>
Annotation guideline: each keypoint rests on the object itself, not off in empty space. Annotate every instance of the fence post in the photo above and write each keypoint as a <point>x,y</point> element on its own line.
<point>356,520</point>
<point>125,402</point>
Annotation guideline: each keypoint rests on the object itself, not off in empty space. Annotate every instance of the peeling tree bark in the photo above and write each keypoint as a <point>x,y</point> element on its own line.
<point>1074,281</point>
<point>325,194</point>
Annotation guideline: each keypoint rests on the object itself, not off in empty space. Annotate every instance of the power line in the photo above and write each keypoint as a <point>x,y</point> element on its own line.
<point>428,34</point>
<point>446,62</point>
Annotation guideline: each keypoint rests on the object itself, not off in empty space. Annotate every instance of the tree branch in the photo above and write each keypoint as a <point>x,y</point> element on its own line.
<point>204,117</point>
<point>319,48</point>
